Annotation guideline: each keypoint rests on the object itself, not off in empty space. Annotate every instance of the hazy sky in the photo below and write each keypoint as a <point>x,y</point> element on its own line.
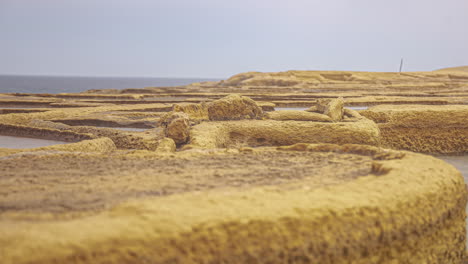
<point>217,38</point>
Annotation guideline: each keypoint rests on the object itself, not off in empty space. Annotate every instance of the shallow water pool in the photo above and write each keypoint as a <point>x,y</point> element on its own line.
<point>291,108</point>
<point>166,98</point>
<point>133,129</point>
<point>24,142</point>
<point>459,162</point>
<point>357,108</point>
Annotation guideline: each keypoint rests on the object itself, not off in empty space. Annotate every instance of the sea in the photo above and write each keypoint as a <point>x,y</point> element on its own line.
<point>70,84</point>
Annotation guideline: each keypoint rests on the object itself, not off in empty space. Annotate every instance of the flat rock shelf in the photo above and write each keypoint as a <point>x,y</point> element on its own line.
<point>266,200</point>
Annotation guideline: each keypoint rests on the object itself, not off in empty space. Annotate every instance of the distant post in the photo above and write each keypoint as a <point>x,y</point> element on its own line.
<point>401,64</point>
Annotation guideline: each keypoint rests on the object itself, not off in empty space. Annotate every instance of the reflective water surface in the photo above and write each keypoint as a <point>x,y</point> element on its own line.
<point>357,108</point>
<point>291,108</point>
<point>24,142</point>
<point>134,129</point>
<point>460,162</point>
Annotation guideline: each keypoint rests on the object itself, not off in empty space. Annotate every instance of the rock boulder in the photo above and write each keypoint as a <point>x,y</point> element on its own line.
<point>176,126</point>
<point>332,108</point>
<point>234,107</point>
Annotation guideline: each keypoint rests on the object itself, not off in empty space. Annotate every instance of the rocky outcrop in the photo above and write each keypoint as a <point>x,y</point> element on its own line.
<point>313,108</point>
<point>194,111</point>
<point>267,106</point>
<point>166,145</point>
<point>134,201</point>
<point>297,115</point>
<point>332,108</point>
<point>176,126</point>
<point>422,128</point>
<point>255,133</point>
<point>352,113</point>
<point>234,107</point>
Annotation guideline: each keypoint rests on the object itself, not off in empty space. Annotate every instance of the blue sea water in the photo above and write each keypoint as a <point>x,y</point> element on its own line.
<point>64,84</point>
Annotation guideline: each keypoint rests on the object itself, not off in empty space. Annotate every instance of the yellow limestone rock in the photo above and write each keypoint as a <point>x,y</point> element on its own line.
<point>166,145</point>
<point>422,128</point>
<point>332,108</point>
<point>298,116</point>
<point>352,113</point>
<point>234,107</point>
<point>176,126</point>
<point>313,108</point>
<point>194,111</point>
<point>267,106</point>
<point>397,207</point>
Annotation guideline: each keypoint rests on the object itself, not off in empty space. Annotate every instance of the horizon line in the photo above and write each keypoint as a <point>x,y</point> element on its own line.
<point>103,76</point>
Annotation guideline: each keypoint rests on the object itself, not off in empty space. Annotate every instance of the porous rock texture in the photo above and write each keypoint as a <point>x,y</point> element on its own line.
<point>406,208</point>
<point>429,129</point>
<point>194,111</point>
<point>332,108</point>
<point>297,115</point>
<point>119,196</point>
<point>176,126</point>
<point>166,145</point>
<point>267,106</point>
<point>48,125</point>
<point>277,133</point>
<point>234,107</point>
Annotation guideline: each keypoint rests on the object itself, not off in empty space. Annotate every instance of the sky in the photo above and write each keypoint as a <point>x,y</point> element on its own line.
<point>218,38</point>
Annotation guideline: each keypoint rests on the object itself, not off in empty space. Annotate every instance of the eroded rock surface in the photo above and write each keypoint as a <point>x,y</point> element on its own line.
<point>108,181</point>
<point>113,196</point>
<point>194,111</point>
<point>106,210</point>
<point>176,126</point>
<point>429,129</point>
<point>332,108</point>
<point>166,145</point>
<point>283,115</point>
<point>234,107</point>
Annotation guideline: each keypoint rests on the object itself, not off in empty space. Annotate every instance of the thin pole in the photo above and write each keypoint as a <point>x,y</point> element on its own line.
<point>401,64</point>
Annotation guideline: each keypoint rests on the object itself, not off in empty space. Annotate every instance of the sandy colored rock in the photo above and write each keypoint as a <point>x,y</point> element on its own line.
<point>176,126</point>
<point>455,69</point>
<point>234,107</point>
<point>243,133</point>
<point>429,129</point>
<point>168,117</point>
<point>266,106</point>
<point>194,111</point>
<point>322,105</point>
<point>151,174</point>
<point>359,80</point>
<point>313,108</point>
<point>352,113</point>
<point>227,196</point>
<point>298,116</point>
<point>335,109</point>
<point>237,224</point>
<point>332,108</point>
<point>166,145</point>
